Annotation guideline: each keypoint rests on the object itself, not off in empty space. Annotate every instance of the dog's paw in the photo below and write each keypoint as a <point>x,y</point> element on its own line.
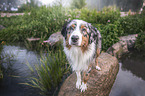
<point>98,68</point>
<point>83,87</point>
<point>78,84</point>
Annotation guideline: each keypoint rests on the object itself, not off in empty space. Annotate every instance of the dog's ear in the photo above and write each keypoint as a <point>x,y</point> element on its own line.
<point>94,35</point>
<point>64,29</point>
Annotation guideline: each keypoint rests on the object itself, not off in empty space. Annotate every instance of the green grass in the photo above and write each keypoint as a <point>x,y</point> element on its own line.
<point>48,74</point>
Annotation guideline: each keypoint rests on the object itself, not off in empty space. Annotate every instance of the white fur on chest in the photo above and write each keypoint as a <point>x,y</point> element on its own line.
<point>78,60</point>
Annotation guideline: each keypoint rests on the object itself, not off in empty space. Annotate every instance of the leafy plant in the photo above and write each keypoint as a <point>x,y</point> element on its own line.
<point>140,42</point>
<point>41,22</point>
<point>109,34</point>
<point>48,74</point>
<point>132,24</point>
<point>107,15</point>
<point>11,21</point>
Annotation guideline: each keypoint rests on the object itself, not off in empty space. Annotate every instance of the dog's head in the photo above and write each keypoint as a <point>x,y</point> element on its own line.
<point>79,33</point>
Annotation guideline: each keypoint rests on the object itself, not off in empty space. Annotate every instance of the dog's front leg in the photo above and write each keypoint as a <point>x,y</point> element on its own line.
<point>84,83</point>
<point>78,83</point>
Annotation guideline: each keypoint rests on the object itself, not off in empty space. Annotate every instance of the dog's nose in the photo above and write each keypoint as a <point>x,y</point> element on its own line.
<point>74,38</point>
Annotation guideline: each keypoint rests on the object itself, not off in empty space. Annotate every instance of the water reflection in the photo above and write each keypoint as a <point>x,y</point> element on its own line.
<point>130,80</point>
<point>17,71</point>
<point>135,62</point>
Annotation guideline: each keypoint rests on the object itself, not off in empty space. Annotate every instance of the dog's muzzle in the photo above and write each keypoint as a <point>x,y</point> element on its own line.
<point>74,39</point>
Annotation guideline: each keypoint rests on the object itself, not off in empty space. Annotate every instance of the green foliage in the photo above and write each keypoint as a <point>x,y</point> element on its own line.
<point>41,22</point>
<point>132,24</point>
<point>109,35</point>
<point>49,72</point>
<point>140,42</point>
<point>107,15</point>
<point>79,4</point>
<point>11,21</point>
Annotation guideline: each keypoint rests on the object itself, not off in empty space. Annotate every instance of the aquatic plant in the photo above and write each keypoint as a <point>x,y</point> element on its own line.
<point>48,74</point>
<point>6,59</point>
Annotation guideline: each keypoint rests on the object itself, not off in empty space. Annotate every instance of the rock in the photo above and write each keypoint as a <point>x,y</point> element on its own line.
<point>121,47</point>
<point>54,38</point>
<point>2,27</point>
<point>118,49</point>
<point>99,83</point>
<point>130,40</point>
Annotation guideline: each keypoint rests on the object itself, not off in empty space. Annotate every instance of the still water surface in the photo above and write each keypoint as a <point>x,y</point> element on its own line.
<point>130,80</point>
<point>16,71</point>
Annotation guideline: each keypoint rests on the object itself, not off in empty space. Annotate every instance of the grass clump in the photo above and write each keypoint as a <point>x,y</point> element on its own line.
<point>49,73</point>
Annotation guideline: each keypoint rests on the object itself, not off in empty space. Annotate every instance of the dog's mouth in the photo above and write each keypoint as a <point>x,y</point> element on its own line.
<point>75,44</point>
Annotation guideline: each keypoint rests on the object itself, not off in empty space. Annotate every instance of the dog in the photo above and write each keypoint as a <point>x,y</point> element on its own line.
<point>82,46</point>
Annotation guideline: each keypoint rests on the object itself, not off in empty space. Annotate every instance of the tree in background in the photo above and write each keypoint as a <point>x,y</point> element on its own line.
<point>125,5</point>
<point>79,4</point>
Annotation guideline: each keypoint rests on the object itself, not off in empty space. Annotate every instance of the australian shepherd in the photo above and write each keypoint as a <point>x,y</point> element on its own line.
<point>82,46</point>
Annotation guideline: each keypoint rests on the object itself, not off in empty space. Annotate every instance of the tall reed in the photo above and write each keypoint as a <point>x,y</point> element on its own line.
<point>48,74</point>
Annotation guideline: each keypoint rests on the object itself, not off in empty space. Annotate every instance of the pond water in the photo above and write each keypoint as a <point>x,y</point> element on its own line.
<point>130,79</point>
<point>16,71</point>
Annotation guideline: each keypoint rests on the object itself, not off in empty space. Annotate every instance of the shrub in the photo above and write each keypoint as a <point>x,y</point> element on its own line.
<point>140,42</point>
<point>107,15</point>
<point>11,21</point>
<point>110,35</point>
<point>40,23</point>
<point>132,24</point>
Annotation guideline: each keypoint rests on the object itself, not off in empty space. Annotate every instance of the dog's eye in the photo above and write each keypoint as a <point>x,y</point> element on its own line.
<point>83,29</point>
<point>71,28</point>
